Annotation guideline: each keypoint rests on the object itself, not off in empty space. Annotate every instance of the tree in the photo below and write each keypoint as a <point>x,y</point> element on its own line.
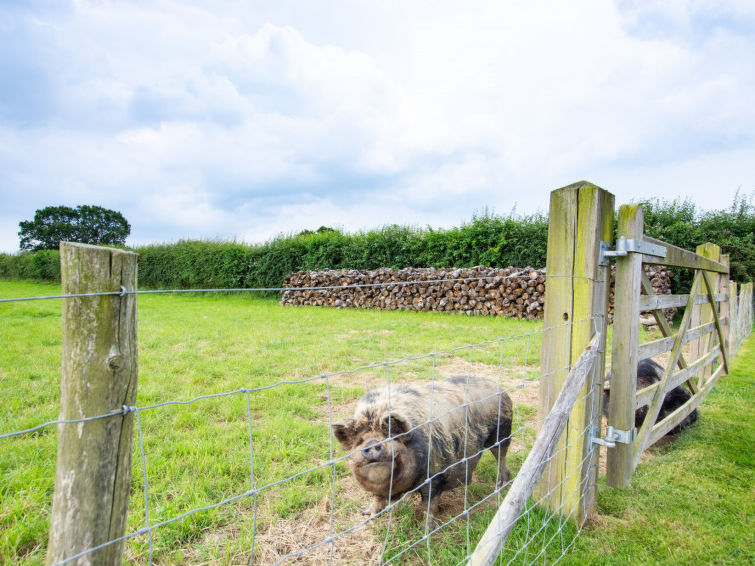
<point>85,224</point>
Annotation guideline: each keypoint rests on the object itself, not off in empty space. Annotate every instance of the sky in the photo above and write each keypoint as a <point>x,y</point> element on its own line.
<point>244,120</point>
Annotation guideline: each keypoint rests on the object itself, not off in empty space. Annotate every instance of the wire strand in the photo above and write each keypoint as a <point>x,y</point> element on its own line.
<point>124,292</point>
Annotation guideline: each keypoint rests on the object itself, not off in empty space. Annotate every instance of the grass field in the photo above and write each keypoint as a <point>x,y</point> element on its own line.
<point>691,501</point>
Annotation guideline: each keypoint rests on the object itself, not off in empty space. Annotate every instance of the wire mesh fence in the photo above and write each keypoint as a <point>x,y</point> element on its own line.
<point>254,474</point>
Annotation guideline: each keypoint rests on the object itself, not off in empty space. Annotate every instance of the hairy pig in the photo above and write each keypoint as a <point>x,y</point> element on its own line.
<point>418,437</point>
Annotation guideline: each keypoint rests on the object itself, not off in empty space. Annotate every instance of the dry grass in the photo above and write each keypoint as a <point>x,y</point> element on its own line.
<point>278,538</point>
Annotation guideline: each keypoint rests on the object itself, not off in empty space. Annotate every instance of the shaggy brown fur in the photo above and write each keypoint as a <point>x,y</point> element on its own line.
<point>404,438</point>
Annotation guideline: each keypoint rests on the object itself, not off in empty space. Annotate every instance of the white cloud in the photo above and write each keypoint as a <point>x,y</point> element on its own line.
<point>204,120</point>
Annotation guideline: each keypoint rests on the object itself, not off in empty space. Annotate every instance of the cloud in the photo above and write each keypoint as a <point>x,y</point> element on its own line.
<point>214,119</point>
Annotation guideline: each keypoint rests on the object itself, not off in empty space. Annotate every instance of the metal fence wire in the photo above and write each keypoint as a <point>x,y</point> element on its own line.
<point>297,502</point>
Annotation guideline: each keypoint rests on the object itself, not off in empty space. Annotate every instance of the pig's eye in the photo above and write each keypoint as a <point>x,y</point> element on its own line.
<point>393,426</point>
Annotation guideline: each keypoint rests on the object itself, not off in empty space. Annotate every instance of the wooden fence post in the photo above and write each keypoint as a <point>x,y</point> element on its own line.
<point>744,313</point>
<point>733,317</point>
<point>581,216</point>
<point>99,376</point>
<point>703,313</point>
<point>724,311</point>
<point>626,308</point>
<point>748,319</point>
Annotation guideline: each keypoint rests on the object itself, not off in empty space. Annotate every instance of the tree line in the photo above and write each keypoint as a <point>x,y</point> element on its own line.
<point>488,239</point>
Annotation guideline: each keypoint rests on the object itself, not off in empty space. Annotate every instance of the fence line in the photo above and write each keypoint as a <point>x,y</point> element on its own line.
<point>124,292</point>
<point>125,409</point>
<point>524,484</point>
<point>149,528</point>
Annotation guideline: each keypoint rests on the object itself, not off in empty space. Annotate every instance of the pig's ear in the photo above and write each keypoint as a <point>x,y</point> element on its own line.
<point>398,425</point>
<point>345,433</point>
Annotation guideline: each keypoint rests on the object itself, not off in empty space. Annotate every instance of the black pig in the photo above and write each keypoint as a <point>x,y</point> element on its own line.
<point>425,441</point>
<point>649,372</point>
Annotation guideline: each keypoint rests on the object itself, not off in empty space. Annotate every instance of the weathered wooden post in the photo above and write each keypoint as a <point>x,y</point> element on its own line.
<point>724,311</point>
<point>581,216</point>
<point>748,317</point>
<point>733,317</point>
<point>744,314</point>
<point>703,313</point>
<point>99,376</point>
<point>626,308</point>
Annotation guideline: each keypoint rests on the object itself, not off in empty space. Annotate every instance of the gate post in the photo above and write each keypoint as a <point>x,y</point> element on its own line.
<point>581,216</point>
<point>724,310</point>
<point>703,313</point>
<point>733,318</point>
<point>99,373</point>
<point>626,329</point>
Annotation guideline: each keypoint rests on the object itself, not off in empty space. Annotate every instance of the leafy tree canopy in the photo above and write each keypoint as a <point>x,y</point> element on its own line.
<point>85,224</point>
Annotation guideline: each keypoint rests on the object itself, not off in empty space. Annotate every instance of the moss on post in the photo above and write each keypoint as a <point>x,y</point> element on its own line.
<point>581,216</point>
<point>99,376</point>
<point>619,467</point>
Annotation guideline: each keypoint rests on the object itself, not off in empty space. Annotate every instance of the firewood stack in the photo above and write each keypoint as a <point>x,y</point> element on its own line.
<point>475,291</point>
<point>661,279</point>
<point>511,292</point>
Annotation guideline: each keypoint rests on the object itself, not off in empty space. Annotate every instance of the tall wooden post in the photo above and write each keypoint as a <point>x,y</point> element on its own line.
<point>724,311</point>
<point>703,313</point>
<point>747,326</point>
<point>619,467</point>
<point>744,315</point>
<point>581,216</point>
<point>99,376</point>
<point>733,318</point>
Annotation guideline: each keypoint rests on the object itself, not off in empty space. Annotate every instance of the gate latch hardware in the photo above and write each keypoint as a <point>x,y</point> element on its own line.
<point>626,246</point>
<point>613,436</point>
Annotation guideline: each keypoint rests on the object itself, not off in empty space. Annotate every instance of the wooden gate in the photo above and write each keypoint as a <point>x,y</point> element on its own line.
<point>704,327</point>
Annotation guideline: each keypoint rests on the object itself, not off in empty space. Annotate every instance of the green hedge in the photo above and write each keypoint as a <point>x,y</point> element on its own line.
<point>44,265</point>
<point>733,229</point>
<point>488,239</point>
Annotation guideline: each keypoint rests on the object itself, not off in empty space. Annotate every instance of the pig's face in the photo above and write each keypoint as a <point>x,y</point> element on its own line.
<point>376,459</point>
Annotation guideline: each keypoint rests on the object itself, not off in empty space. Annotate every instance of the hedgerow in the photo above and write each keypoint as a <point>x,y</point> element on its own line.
<point>488,239</point>
<point>678,222</point>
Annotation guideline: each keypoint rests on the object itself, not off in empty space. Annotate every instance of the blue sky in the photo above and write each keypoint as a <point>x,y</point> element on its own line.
<point>243,120</point>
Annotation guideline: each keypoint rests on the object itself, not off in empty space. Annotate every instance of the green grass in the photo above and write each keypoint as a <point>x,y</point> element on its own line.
<point>198,454</point>
<point>690,503</point>
<point>693,502</point>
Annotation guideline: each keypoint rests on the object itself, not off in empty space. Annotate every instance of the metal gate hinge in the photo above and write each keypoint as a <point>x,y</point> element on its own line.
<point>626,246</point>
<point>605,248</point>
<point>613,436</point>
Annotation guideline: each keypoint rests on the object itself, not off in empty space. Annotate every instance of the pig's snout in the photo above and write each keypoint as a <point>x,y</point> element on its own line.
<point>373,451</point>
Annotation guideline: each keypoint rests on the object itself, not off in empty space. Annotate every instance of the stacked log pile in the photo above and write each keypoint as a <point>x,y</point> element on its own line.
<point>473,291</point>
<point>660,278</point>
<point>511,292</point>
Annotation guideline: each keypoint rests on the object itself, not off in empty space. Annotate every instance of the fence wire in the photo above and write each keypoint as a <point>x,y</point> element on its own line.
<point>546,529</point>
<point>324,288</point>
